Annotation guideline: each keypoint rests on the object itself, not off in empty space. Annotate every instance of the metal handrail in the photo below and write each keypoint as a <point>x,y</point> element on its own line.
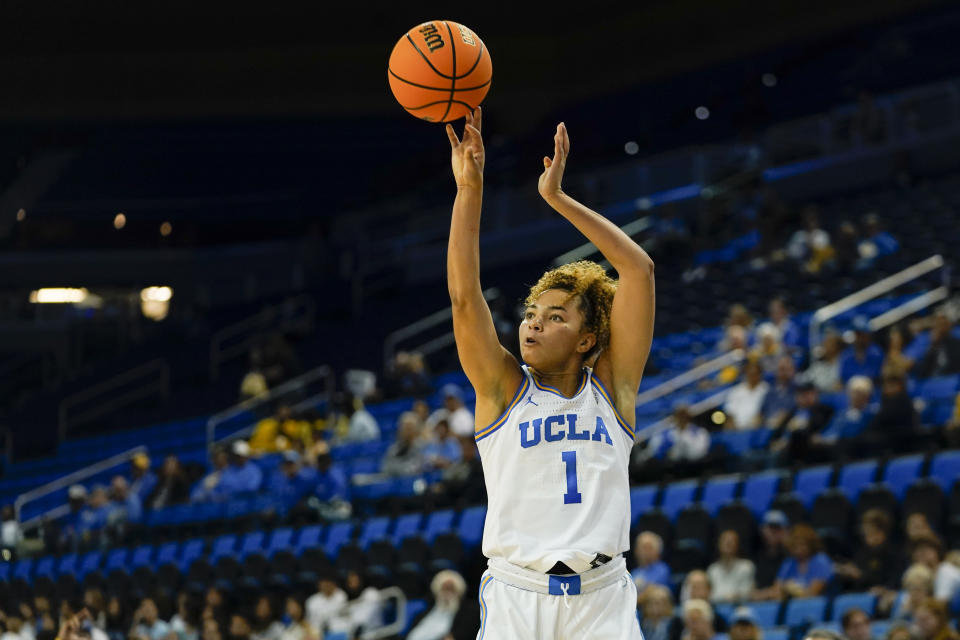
<point>254,324</point>
<point>700,371</point>
<point>69,479</point>
<point>908,308</point>
<point>868,293</point>
<point>397,625</point>
<point>161,387</point>
<point>323,371</point>
<point>427,322</point>
<point>663,424</point>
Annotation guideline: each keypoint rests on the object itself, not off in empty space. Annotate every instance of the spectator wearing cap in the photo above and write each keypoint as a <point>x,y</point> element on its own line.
<point>650,569</point>
<point>792,439</point>
<point>772,553</point>
<point>824,372</point>
<point>743,403</point>
<point>448,588</point>
<point>657,621</point>
<point>942,357</point>
<point>698,620</point>
<point>807,570</point>
<point>863,357</point>
<point>405,456</point>
<point>460,418</point>
<point>241,475</point>
<point>731,577</point>
<point>743,625</point>
<point>142,479</point>
<point>326,603</point>
<point>856,624</point>
<point>779,400</point>
<point>853,420</point>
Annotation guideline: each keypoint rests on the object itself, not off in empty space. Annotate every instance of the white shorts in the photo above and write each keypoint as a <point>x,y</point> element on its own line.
<point>520,604</point>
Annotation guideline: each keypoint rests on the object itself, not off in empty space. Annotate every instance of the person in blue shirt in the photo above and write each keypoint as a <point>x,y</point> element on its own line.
<point>789,331</point>
<point>443,448</point>
<point>331,481</point>
<point>862,358</point>
<point>206,489</point>
<point>876,243</point>
<point>241,475</point>
<point>853,420</point>
<point>807,571</point>
<point>780,399</point>
<point>142,479</point>
<point>291,481</point>
<point>650,568</point>
<point>125,506</point>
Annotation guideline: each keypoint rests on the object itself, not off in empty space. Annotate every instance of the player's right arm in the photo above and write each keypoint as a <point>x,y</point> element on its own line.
<point>491,369</point>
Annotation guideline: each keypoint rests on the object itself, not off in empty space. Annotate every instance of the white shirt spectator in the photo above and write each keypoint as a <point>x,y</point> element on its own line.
<point>461,422</point>
<point>321,608</point>
<point>947,581</point>
<point>10,534</point>
<point>804,241</point>
<point>363,427</point>
<point>731,582</point>
<point>689,444</point>
<point>743,404</point>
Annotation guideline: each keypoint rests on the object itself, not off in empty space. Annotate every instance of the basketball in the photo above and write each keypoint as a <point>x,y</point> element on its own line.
<point>439,71</point>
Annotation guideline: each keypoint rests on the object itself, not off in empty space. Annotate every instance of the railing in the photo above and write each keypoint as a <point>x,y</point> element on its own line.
<point>423,324</point>
<point>832,310</point>
<point>394,628</point>
<point>697,373</point>
<point>323,373</point>
<point>588,249</point>
<point>152,378</point>
<point>66,481</point>
<point>908,308</point>
<point>710,402</point>
<point>235,340</point>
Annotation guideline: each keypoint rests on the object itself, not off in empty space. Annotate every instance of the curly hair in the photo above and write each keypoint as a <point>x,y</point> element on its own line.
<point>590,281</point>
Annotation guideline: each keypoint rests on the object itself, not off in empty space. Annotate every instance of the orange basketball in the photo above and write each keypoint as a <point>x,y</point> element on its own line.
<point>439,71</point>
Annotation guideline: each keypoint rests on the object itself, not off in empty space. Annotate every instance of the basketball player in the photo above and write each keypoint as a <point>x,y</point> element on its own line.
<point>554,434</point>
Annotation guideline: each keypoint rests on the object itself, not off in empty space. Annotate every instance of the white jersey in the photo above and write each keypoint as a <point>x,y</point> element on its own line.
<point>556,475</point>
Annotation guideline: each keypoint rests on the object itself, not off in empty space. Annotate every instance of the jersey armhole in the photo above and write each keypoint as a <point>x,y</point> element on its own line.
<point>624,425</point>
<point>480,434</point>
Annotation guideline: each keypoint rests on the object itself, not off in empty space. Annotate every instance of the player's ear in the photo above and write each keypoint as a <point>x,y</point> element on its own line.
<point>587,341</point>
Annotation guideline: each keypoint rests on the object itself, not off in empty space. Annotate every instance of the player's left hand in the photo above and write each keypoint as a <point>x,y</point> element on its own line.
<point>550,179</point>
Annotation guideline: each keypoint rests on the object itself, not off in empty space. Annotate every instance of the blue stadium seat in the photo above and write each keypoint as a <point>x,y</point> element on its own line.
<point>252,543</point>
<point>116,559</point>
<point>222,546</point>
<point>67,564</point>
<point>406,526</point>
<point>337,535</point>
<point>373,529</point>
<point>677,496</point>
<point>88,563</point>
<point>865,601</point>
<point>142,556</point>
<point>438,522</point>
<point>470,528</point>
<point>854,477</point>
<point>945,469</point>
<point>309,538</point>
<point>642,499</point>
<point>939,388</point>
<point>23,570</point>
<point>280,540</point>
<point>759,491</point>
<point>901,473</point>
<point>724,610</point>
<point>809,483</point>
<point>167,554</point>
<point>190,551</point>
<point>718,492</point>
<point>44,567</point>
<point>736,442</point>
<point>768,613</point>
<point>805,611</point>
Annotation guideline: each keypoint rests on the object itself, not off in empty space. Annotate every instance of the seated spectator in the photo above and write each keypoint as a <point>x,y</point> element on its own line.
<point>780,400</point>
<point>206,489</point>
<point>932,621</point>
<point>462,483</point>
<point>793,438</point>
<point>266,625</point>
<point>873,563</point>
<point>740,316</point>
<point>678,449</point>
<point>331,486</point>
<point>895,361</point>
<point>10,532</point>
<point>917,586</point>
<point>298,627</point>
<point>657,621</point>
<point>743,625</point>
<point>743,403</point>
<point>173,486</point>
<point>943,356</point>
<point>291,481</point>
<point>442,447</point>
<point>326,603</point>
<point>731,577</point>
<point>186,622</point>
<point>94,516</point>
<point>142,479</point>
<point>242,475</point>
<point>735,337</point>
<point>876,243</point>
<point>698,621</point>
<point>147,624</point>
<point>894,426</point>
<point>787,329</point>
<point>856,624</point>
<point>807,570</point>
<point>280,432</point>
<point>810,246</point>
<point>772,554</point>
<point>407,376</point>
<point>650,568</point>
<point>460,418</point>
<point>405,456</point>
<point>769,350</point>
<point>824,372</point>
<point>928,551</point>
<point>853,420</point>
<point>364,608</point>
<point>916,527</point>
<point>240,626</point>
<point>448,588</point>
<point>124,507</point>
<point>863,357</point>
<point>360,425</point>
<point>696,586</point>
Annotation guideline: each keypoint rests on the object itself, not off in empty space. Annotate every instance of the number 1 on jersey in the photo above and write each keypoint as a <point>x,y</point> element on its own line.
<point>572,496</point>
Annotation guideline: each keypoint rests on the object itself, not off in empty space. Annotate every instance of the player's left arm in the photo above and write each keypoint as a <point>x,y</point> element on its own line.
<point>631,318</point>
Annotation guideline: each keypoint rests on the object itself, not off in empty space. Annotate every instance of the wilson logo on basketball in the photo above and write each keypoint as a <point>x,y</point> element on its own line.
<point>432,37</point>
<point>466,35</point>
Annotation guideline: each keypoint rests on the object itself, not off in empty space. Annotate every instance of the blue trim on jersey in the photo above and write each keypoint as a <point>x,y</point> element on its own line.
<point>483,607</point>
<point>606,396</point>
<point>554,390</point>
<point>486,431</point>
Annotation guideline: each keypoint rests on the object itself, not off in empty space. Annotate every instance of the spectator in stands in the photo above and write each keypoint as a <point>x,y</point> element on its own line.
<point>142,479</point>
<point>242,475</point>
<point>917,526</point>
<point>679,449</point>
<point>807,571</point>
<point>291,481</point>
<point>772,554</point>
<point>696,586</point>
<point>928,551</point>
<point>173,486</point>
<point>876,243</point>
<point>207,488</point>
<point>943,356</point>
<point>407,376</point>
<point>807,242</point>
<point>441,448</point>
<point>212,629</point>
<point>856,624</point>
<point>917,586</point>
<point>853,420</point>
<point>650,569</point>
<point>280,432</point>
<point>364,608</point>
<point>94,516</point>
<point>780,400</point>
<point>186,622</point>
<point>265,623</point>
<point>405,456</point>
<point>331,486</point>
<point>735,337</point>
<point>460,418</point>
<point>874,563</point>
<point>743,403</point>
<point>824,372</point>
<point>124,508</point>
<point>118,620</point>
<point>768,351</point>
<point>862,358</point>
<point>326,603</point>
<point>793,438</point>
<point>932,621</point>
<point>10,533</point>
<point>894,360</point>
<point>698,620</point>
<point>240,627</point>
<point>894,426</point>
<point>658,621</point>
<point>448,588</point>
<point>780,318</point>
<point>462,483</point>
<point>298,627</point>
<point>360,425</point>
<point>743,625</point>
<point>738,315</point>
<point>147,624</point>
<point>731,577</point>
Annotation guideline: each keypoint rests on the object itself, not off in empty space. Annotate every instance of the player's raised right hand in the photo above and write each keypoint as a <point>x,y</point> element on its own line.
<point>466,156</point>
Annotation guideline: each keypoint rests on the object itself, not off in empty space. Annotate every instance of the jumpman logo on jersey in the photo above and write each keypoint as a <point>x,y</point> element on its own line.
<point>530,401</point>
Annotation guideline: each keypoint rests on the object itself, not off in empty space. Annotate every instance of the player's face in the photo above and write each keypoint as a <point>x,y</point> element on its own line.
<point>552,330</point>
